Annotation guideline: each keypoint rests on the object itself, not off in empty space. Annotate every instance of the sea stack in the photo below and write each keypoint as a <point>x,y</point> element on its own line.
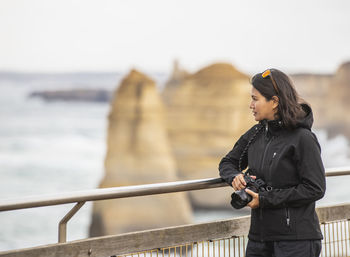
<point>207,112</point>
<point>338,106</point>
<point>138,152</point>
<point>328,95</point>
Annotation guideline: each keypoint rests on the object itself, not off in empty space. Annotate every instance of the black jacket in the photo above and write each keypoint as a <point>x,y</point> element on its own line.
<point>290,162</point>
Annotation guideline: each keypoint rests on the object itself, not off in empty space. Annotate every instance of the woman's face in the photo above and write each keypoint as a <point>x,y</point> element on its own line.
<point>261,107</point>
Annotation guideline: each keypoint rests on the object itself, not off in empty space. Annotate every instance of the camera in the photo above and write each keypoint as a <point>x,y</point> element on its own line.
<point>241,198</point>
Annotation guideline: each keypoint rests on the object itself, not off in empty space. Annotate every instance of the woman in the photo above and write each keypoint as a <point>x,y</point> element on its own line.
<point>283,152</point>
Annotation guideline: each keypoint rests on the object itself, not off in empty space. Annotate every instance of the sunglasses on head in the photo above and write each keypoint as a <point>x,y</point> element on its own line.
<point>268,73</point>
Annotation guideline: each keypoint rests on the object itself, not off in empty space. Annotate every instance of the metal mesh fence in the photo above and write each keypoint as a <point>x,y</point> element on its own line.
<point>229,247</point>
<point>336,243</point>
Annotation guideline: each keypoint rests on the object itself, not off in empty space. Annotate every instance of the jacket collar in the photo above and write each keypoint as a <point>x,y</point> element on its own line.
<point>272,127</point>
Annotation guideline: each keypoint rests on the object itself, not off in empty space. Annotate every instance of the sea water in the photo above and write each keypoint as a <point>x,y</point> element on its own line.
<point>48,148</point>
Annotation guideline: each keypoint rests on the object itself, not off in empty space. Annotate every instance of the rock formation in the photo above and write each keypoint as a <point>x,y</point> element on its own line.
<point>206,113</point>
<point>338,104</point>
<point>138,152</point>
<point>313,88</point>
<point>80,95</point>
<point>328,96</point>
<point>176,78</point>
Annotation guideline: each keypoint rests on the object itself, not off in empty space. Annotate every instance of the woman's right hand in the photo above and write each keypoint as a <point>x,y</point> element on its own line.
<point>238,182</point>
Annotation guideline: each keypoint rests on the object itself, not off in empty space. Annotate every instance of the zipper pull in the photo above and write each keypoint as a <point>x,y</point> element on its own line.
<point>273,157</point>
<point>288,217</point>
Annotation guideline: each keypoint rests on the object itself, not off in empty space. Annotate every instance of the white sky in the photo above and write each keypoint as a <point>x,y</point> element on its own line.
<point>116,35</point>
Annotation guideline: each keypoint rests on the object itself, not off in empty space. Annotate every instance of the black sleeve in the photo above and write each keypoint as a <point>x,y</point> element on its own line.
<point>312,184</point>
<point>228,166</point>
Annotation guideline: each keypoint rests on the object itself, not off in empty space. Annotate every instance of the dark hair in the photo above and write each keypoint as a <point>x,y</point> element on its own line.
<point>289,102</point>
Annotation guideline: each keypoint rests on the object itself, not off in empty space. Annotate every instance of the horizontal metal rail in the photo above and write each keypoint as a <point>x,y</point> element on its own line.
<point>127,191</point>
<point>111,193</point>
<point>80,197</point>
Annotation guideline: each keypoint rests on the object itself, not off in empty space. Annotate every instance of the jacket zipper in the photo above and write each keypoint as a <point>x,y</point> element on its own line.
<point>261,168</point>
<point>263,159</point>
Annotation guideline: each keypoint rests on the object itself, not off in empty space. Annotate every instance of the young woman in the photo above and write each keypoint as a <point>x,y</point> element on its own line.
<point>282,151</point>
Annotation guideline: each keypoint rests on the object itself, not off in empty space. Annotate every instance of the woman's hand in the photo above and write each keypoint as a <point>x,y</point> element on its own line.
<point>239,183</point>
<point>254,203</point>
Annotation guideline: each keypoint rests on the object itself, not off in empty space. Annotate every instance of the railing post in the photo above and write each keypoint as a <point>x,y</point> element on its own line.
<point>62,227</point>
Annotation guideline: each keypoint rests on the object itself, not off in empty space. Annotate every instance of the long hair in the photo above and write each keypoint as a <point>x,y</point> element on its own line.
<point>289,102</point>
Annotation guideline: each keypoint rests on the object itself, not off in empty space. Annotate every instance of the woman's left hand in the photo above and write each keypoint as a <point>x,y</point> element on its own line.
<point>254,203</point>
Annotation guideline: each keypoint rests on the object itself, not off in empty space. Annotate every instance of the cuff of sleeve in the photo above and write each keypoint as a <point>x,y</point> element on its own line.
<point>229,181</point>
<point>262,199</point>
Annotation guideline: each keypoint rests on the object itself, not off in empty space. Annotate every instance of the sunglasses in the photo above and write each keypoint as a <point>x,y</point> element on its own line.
<point>268,73</point>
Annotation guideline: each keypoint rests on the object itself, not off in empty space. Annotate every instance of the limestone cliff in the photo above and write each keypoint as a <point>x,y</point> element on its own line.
<point>176,78</point>
<point>328,95</point>
<point>314,88</point>
<point>138,152</point>
<point>207,112</point>
<point>338,102</point>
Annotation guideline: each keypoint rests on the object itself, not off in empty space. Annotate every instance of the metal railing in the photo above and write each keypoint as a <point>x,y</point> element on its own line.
<point>337,245</point>
<point>81,197</point>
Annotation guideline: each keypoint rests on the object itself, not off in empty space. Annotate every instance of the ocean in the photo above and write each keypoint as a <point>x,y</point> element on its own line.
<point>54,147</point>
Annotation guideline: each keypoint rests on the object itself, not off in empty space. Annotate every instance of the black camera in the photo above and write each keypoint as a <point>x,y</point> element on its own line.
<point>241,198</point>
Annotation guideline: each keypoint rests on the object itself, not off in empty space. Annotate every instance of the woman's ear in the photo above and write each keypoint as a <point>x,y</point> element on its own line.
<point>275,100</point>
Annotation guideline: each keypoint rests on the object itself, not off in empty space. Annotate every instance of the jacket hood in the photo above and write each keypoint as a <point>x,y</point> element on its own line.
<point>308,119</point>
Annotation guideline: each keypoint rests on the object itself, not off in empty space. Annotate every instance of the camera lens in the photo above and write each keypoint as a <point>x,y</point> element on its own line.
<point>239,199</point>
